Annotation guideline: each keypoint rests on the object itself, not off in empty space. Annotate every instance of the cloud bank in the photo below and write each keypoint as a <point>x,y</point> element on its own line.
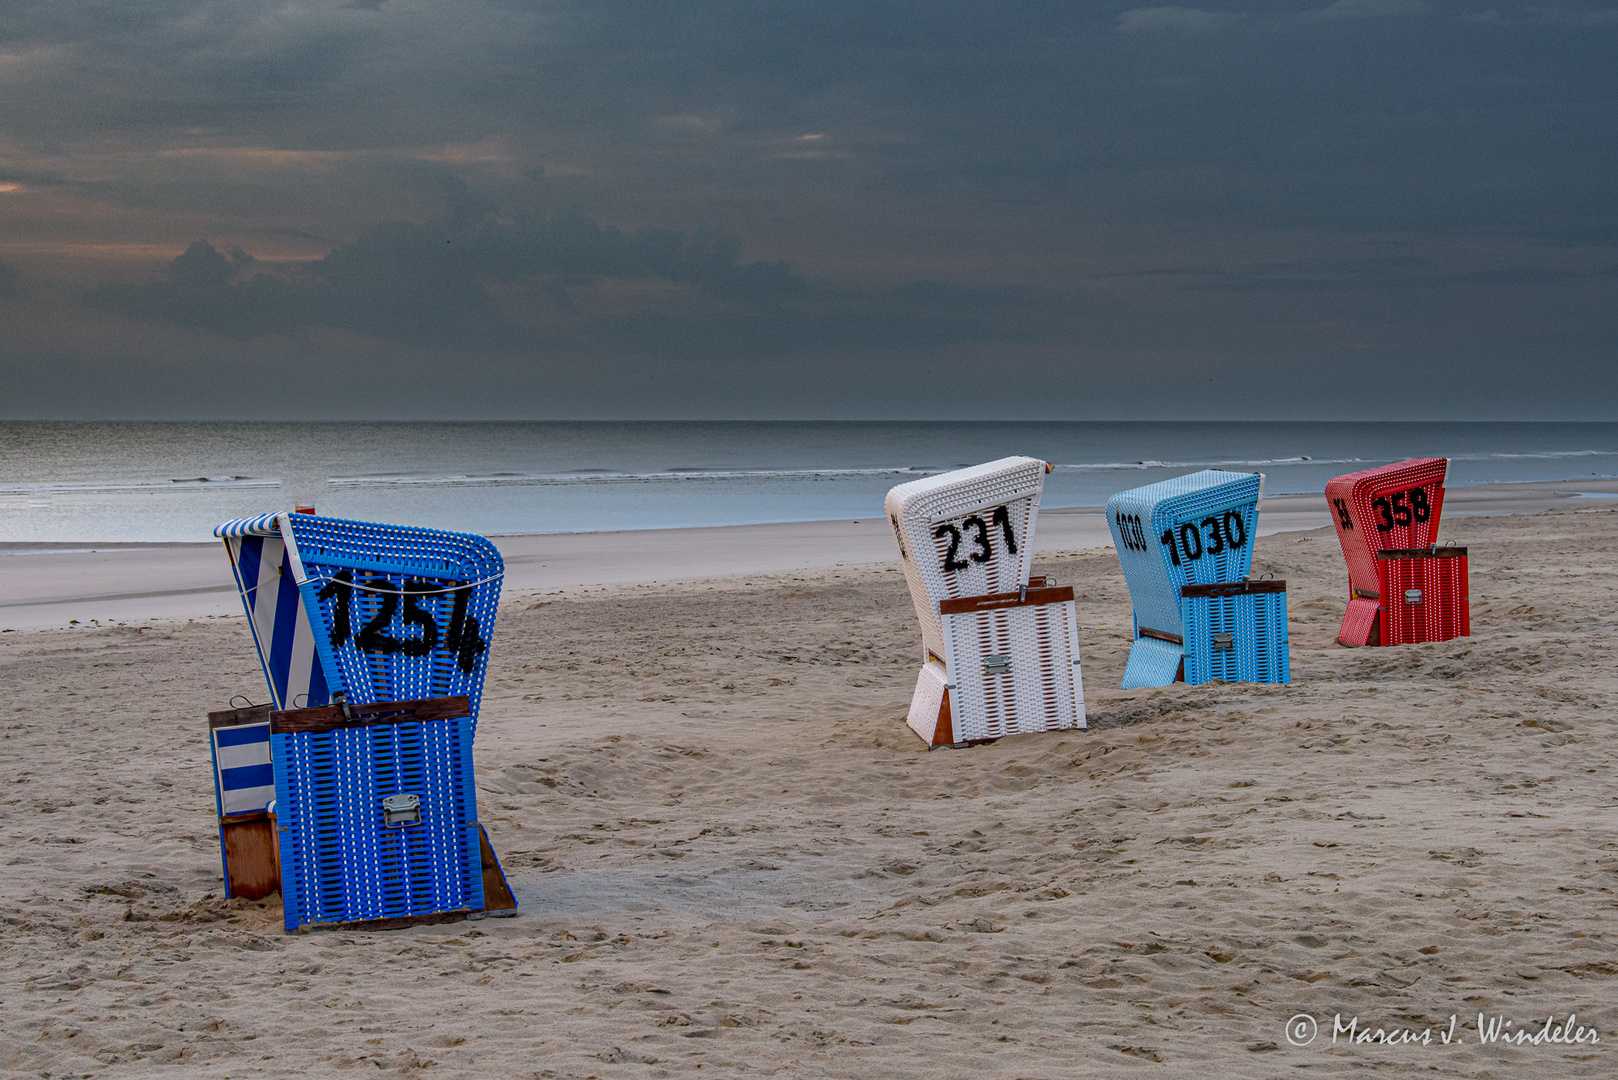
<point>814,205</point>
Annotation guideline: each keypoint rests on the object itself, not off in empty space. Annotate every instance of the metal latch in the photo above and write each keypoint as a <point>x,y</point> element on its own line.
<point>996,665</point>
<point>401,809</point>
<point>1412,596</point>
<point>1224,642</point>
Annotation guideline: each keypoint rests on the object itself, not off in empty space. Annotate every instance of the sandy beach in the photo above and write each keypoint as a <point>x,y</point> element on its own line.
<point>733,857</point>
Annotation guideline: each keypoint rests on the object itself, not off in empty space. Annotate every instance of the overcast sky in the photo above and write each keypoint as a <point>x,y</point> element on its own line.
<point>839,208</point>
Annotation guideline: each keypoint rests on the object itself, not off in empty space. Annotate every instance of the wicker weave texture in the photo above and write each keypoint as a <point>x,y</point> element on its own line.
<point>1192,530</point>
<point>339,861</point>
<point>965,533</point>
<point>401,613</point>
<point>1014,670</point>
<point>928,701</point>
<point>1424,599</point>
<point>1369,519</point>
<point>1152,662</point>
<point>1257,650</point>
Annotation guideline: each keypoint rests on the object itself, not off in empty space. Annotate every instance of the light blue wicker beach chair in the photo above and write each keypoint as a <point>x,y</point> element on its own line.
<point>1194,530</point>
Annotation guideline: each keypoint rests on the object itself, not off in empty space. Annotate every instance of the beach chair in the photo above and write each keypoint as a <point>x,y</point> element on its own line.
<point>1389,508</point>
<point>244,787</point>
<point>378,612</point>
<point>1195,530</point>
<point>1423,595</point>
<point>359,619</point>
<point>1000,652</point>
<point>376,814</point>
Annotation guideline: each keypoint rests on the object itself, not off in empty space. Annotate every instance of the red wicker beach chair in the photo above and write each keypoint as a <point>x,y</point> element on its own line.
<point>1389,508</point>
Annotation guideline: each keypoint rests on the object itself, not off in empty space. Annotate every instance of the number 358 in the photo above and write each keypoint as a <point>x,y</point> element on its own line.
<point>1401,508</point>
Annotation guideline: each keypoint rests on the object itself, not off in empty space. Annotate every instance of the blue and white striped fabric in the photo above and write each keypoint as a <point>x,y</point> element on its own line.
<point>263,525</point>
<point>243,774</point>
<point>267,576</point>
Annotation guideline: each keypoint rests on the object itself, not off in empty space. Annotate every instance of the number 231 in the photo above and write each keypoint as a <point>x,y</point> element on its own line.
<point>982,543</point>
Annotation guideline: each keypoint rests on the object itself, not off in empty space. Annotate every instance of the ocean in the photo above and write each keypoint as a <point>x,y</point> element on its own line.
<point>70,482</point>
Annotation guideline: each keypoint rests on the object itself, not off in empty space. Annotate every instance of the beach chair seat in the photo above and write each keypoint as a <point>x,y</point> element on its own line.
<point>1390,507</point>
<point>1424,595</point>
<point>376,814</point>
<point>1000,650</point>
<point>1196,529</point>
<point>1235,632</point>
<point>1012,668</point>
<point>244,787</point>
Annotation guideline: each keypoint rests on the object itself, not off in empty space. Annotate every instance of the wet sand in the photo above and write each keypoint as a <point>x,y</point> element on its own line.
<point>51,585</point>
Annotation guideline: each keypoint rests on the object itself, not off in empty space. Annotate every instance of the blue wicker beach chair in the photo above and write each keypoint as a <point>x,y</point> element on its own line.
<point>374,642</point>
<point>1194,530</point>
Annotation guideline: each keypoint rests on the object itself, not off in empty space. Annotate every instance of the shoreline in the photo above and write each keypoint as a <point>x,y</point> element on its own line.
<point>51,585</point>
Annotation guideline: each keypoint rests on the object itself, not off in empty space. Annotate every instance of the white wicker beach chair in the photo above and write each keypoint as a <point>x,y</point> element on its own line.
<point>999,657</point>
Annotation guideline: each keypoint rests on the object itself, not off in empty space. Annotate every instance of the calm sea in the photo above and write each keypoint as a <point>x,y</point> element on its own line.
<point>78,482</point>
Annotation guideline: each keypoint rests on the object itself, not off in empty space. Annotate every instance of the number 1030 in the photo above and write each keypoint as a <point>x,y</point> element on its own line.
<point>1190,541</point>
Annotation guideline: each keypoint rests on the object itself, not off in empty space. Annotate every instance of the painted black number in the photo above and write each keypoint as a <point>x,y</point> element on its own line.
<point>984,552</point>
<point>951,563</point>
<point>1132,532</point>
<point>1227,532</point>
<point>1002,518</point>
<point>1419,503</point>
<point>463,637</point>
<point>371,637</point>
<point>341,587</point>
<point>415,616</point>
<point>1188,536</point>
<point>1396,511</point>
<point>1167,540</point>
<point>1235,529</point>
<point>1346,521</point>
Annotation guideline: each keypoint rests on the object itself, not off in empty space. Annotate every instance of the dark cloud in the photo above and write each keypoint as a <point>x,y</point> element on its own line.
<point>11,286</point>
<point>1115,194</point>
<point>470,280</point>
<point>1394,274</point>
